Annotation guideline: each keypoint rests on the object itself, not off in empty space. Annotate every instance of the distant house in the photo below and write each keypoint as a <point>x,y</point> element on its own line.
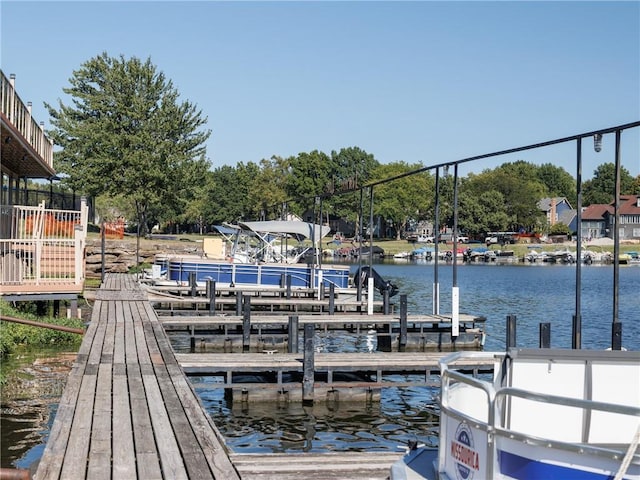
<point>558,210</point>
<point>598,220</point>
<point>594,224</point>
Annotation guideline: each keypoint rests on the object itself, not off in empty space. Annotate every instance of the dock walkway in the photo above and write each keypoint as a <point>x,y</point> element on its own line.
<point>127,410</point>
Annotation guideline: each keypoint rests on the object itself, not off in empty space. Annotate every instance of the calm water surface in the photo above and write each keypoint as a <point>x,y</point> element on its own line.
<point>534,293</point>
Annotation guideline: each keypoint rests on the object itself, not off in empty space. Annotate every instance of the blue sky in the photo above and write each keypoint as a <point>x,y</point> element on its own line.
<point>417,81</point>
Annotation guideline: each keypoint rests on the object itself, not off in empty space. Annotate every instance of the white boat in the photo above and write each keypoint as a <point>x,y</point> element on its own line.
<point>546,414</point>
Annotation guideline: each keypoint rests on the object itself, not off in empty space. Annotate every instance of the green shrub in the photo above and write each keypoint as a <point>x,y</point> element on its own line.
<point>15,334</point>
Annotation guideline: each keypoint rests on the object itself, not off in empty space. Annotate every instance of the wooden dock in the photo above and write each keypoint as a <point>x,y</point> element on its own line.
<point>260,332</point>
<point>127,410</point>
<point>315,466</point>
<point>271,299</point>
<point>257,377</point>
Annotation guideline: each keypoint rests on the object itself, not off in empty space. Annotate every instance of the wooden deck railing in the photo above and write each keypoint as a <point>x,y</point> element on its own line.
<point>19,114</point>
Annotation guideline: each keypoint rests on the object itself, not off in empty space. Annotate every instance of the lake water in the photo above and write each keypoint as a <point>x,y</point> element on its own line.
<point>534,293</point>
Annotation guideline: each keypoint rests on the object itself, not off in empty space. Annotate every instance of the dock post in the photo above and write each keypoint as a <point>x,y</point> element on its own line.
<point>73,307</point>
<point>246,324</point>
<point>545,335</point>
<point>238,303</point>
<point>403,323</point>
<point>211,294</point>
<point>385,301</point>
<point>308,364</point>
<point>616,336</point>
<point>292,344</point>
<point>193,283</point>
<point>511,332</point>
<point>282,284</point>
<point>576,331</point>
<point>288,287</point>
<point>332,299</point>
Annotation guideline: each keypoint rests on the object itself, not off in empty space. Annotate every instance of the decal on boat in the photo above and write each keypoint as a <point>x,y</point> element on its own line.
<point>463,453</point>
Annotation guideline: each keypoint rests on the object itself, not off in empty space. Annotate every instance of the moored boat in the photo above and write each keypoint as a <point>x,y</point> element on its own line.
<point>546,413</point>
<point>256,254</point>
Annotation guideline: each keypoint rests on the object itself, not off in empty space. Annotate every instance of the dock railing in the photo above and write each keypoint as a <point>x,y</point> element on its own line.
<point>45,248</point>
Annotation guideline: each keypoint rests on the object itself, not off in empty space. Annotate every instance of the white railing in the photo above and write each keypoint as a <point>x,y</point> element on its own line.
<point>19,115</point>
<point>46,247</point>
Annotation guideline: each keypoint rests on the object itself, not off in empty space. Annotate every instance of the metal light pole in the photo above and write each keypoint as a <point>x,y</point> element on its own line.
<point>436,230</point>
<point>616,327</point>
<point>455,291</point>
<point>576,337</point>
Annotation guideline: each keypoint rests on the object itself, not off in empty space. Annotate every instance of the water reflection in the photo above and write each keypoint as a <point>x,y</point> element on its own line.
<point>29,401</point>
<point>401,415</point>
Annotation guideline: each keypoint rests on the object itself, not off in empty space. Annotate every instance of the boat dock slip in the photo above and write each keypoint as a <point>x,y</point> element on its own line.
<point>259,332</point>
<point>127,410</point>
<point>269,303</point>
<point>206,322</point>
<point>318,376</point>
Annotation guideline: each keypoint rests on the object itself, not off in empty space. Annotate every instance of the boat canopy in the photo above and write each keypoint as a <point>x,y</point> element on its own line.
<point>225,230</point>
<point>299,230</point>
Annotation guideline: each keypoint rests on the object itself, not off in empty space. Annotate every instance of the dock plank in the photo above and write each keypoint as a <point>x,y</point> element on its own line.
<point>123,448</point>
<point>252,362</point>
<point>168,450</point>
<point>143,438</point>
<point>319,466</point>
<point>100,452</point>
<point>75,461</point>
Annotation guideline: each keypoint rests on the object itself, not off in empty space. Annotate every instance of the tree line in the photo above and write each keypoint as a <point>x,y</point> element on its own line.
<point>127,140</point>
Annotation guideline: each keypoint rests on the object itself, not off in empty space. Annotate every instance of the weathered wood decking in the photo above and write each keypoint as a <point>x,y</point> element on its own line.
<point>127,410</point>
<point>315,466</point>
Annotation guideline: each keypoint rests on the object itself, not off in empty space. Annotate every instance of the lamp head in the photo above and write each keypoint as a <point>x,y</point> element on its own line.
<point>597,142</point>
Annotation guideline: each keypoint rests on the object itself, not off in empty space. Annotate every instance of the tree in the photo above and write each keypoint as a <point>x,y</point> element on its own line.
<point>558,181</point>
<point>481,214</point>
<point>559,229</point>
<point>351,168</point>
<point>127,133</point>
<point>402,199</point>
<point>309,177</point>
<point>520,189</point>
<point>635,189</point>
<point>601,188</point>
<point>229,194</point>
<point>267,192</point>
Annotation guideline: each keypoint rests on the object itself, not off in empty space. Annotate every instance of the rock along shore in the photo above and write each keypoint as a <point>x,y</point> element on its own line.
<point>120,255</point>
